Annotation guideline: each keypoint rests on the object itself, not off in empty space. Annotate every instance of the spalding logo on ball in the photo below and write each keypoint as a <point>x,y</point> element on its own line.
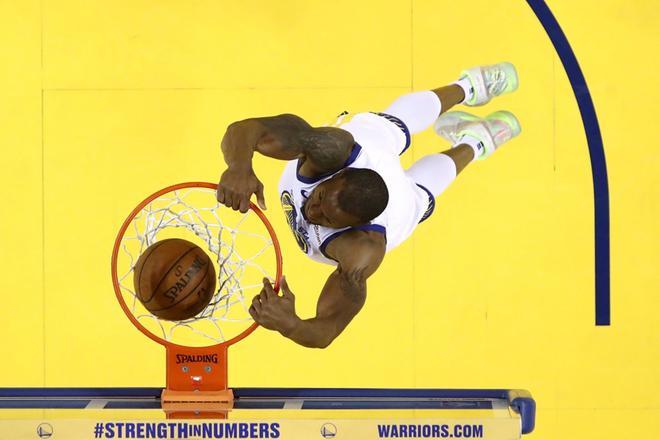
<point>174,279</point>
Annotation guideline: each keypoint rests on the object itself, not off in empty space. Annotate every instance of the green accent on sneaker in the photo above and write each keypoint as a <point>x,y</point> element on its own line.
<point>509,119</point>
<point>512,77</point>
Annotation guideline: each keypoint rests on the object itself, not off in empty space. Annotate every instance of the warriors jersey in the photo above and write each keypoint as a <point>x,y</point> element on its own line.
<point>379,140</point>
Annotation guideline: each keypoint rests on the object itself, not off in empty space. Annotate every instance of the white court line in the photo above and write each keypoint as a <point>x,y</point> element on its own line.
<point>96,404</point>
<point>293,404</point>
<point>499,404</point>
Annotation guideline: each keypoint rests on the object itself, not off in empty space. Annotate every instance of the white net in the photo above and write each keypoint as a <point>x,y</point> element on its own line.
<point>238,243</point>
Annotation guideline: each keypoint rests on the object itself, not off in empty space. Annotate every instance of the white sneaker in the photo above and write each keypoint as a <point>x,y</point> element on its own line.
<point>491,132</point>
<point>490,81</point>
<point>450,123</point>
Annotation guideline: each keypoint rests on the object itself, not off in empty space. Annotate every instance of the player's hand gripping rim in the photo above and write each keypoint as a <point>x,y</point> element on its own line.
<point>237,186</point>
<point>273,311</point>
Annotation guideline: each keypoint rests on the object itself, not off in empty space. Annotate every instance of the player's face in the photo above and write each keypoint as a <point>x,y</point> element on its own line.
<point>322,206</point>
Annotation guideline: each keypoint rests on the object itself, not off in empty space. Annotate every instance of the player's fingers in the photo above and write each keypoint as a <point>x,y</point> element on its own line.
<point>263,295</point>
<point>227,197</point>
<point>243,205</point>
<point>268,289</point>
<point>256,304</point>
<point>236,202</point>
<point>261,201</point>
<point>220,194</point>
<point>286,291</point>
<point>253,313</point>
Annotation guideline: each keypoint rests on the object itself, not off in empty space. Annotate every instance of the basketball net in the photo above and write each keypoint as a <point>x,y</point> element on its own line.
<point>245,250</point>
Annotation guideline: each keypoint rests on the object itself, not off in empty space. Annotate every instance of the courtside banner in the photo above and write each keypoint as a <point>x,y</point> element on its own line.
<point>286,429</point>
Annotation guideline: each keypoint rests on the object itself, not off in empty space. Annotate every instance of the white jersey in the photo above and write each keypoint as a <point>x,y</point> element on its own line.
<point>379,140</point>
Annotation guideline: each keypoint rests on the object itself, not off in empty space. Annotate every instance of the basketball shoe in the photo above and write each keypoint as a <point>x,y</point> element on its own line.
<point>490,132</point>
<point>490,81</point>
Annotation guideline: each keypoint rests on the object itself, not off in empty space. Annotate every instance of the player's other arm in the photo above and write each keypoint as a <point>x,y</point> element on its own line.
<point>359,254</point>
<point>284,137</point>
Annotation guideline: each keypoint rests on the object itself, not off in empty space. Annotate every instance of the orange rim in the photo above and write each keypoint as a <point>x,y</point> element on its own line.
<point>120,236</point>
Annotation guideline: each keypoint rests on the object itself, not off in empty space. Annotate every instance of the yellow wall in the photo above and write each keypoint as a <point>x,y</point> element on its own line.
<point>103,102</point>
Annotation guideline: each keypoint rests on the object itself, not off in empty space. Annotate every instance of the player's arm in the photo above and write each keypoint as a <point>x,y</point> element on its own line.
<point>359,253</point>
<point>284,137</point>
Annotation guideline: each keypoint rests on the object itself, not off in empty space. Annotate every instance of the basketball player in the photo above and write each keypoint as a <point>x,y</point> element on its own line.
<point>346,197</point>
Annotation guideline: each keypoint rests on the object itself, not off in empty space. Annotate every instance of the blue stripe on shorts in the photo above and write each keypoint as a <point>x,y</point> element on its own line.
<point>431,206</point>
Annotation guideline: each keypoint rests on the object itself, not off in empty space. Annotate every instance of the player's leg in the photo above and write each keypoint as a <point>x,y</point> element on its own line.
<point>435,172</point>
<point>462,155</point>
<point>418,110</point>
<point>476,86</point>
<point>476,139</point>
<point>449,96</point>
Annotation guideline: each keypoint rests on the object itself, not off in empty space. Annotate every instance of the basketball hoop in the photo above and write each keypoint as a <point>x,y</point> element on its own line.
<point>245,248</point>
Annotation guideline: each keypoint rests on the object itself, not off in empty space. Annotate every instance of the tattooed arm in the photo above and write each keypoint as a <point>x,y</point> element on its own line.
<point>359,253</point>
<point>285,137</point>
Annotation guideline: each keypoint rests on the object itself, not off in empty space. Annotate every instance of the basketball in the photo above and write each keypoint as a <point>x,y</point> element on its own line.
<point>174,279</point>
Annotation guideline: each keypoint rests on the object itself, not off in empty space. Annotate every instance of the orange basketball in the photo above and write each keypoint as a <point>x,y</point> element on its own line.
<point>174,279</point>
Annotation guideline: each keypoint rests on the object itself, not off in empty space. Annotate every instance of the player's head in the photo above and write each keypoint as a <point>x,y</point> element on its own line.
<point>352,197</point>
